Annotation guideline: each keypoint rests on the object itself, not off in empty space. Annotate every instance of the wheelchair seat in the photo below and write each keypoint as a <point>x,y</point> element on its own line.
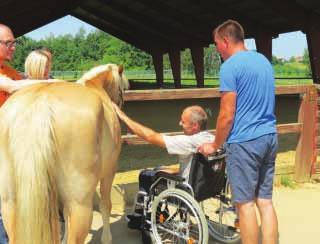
<point>169,176</point>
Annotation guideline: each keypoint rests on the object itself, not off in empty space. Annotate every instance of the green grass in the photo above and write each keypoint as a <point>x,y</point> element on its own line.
<point>287,181</point>
<point>147,80</point>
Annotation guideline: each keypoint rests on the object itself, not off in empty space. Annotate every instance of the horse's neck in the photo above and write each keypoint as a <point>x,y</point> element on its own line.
<point>108,90</point>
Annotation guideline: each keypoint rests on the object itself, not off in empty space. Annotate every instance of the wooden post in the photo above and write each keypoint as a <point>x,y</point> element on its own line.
<point>197,55</point>
<point>306,145</point>
<point>313,39</point>
<point>264,45</point>
<point>175,61</point>
<point>157,59</point>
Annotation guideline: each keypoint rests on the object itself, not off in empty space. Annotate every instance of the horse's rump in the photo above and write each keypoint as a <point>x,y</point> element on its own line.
<point>57,138</point>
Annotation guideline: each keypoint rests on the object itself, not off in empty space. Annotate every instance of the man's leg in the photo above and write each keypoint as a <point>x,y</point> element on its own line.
<point>3,233</point>
<point>269,222</point>
<point>243,172</point>
<point>249,229</point>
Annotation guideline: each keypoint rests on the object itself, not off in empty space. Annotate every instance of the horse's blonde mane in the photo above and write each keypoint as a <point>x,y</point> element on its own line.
<point>101,71</point>
<point>113,83</point>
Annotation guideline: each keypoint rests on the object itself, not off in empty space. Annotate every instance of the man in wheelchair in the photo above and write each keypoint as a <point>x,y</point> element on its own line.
<point>194,124</point>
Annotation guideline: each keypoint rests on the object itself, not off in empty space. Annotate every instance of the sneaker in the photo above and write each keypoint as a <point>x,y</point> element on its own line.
<point>134,221</point>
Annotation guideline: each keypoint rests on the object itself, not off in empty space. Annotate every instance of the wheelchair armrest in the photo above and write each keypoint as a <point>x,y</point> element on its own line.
<point>170,176</point>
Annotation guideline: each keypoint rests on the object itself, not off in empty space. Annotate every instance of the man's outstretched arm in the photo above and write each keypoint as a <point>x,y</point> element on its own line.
<point>11,86</point>
<point>140,130</point>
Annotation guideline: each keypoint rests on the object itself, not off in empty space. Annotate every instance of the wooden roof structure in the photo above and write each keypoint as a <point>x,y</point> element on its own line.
<point>169,26</point>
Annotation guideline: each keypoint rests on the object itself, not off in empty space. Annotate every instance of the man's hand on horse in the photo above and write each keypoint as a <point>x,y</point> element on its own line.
<point>118,111</point>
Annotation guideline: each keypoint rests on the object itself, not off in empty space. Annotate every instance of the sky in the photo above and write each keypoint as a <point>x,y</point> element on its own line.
<point>285,46</point>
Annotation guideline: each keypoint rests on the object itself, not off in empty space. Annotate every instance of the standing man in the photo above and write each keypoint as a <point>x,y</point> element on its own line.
<point>247,124</point>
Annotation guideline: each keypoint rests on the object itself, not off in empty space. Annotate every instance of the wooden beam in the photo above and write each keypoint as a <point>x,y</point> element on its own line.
<point>306,145</point>
<point>157,59</point>
<point>282,129</point>
<point>197,55</point>
<point>297,16</point>
<point>176,16</point>
<point>175,61</point>
<point>169,94</point>
<point>180,35</point>
<point>138,30</point>
<point>48,12</point>
<point>264,44</point>
<point>111,29</point>
<point>313,39</point>
<point>219,12</point>
<point>191,93</point>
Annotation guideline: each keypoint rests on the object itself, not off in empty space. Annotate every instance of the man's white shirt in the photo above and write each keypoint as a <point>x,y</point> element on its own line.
<point>185,146</point>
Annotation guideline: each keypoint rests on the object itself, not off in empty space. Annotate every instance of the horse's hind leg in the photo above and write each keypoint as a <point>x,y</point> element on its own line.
<point>8,216</point>
<point>105,208</point>
<point>78,222</point>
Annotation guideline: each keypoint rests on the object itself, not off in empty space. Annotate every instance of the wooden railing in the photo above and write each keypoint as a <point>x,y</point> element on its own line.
<point>305,125</point>
<point>190,93</point>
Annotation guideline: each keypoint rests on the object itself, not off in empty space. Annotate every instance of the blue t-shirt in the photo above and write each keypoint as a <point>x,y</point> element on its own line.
<point>250,75</point>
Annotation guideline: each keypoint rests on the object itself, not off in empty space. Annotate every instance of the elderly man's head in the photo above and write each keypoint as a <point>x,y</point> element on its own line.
<point>7,43</point>
<point>193,120</point>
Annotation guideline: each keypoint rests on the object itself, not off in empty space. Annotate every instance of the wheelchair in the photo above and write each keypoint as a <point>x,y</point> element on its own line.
<point>176,210</point>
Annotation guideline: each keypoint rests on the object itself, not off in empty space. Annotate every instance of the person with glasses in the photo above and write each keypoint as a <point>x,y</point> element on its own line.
<point>10,81</point>
<point>247,125</point>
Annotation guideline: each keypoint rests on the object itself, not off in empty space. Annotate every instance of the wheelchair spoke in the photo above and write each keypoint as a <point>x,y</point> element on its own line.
<point>221,217</point>
<point>176,221</point>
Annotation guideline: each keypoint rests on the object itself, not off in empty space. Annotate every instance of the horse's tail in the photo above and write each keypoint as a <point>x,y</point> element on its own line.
<point>34,153</point>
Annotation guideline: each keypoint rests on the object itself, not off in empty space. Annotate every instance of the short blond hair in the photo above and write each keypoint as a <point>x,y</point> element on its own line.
<point>35,65</point>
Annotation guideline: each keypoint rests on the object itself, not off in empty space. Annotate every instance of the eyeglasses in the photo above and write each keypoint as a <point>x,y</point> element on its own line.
<point>8,43</point>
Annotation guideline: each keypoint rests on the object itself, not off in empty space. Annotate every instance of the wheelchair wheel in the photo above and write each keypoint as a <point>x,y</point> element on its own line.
<point>221,216</point>
<point>177,218</point>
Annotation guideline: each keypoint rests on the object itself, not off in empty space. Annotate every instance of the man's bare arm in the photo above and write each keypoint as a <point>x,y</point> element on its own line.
<point>224,123</point>
<point>140,130</point>
<point>11,86</point>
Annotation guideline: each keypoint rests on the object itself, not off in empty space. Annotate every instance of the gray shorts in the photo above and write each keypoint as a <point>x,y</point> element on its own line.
<point>250,168</point>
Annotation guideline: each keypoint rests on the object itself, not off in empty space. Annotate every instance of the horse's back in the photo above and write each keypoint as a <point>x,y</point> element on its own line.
<point>86,131</point>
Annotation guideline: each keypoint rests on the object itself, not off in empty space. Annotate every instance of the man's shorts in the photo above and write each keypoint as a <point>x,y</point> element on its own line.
<point>250,168</point>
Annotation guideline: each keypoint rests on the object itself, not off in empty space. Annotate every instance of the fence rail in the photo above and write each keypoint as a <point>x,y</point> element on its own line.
<point>167,94</point>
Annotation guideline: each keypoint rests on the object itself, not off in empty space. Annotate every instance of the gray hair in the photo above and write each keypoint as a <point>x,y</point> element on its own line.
<point>199,116</point>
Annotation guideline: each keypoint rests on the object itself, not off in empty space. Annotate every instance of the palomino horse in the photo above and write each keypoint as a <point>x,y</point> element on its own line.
<point>58,140</point>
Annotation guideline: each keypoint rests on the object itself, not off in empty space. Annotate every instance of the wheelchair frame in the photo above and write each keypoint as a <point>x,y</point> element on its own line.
<point>171,214</point>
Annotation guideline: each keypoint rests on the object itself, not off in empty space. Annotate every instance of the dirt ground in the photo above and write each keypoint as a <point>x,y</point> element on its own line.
<point>298,213</point>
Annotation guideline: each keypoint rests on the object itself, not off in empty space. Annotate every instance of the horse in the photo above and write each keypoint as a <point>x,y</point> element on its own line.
<point>58,140</point>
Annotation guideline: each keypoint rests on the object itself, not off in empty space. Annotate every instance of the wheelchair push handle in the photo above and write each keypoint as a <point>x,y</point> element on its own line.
<point>219,154</point>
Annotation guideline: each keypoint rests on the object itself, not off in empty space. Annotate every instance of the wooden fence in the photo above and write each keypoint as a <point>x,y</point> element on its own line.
<point>306,125</point>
